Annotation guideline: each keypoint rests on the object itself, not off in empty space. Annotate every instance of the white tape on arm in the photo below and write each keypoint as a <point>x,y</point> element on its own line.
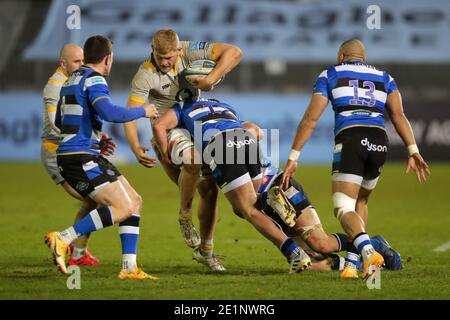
<point>412,149</point>
<point>294,155</point>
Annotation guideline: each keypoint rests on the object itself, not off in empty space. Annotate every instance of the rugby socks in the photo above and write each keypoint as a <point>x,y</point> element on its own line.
<point>80,244</point>
<point>186,216</point>
<point>352,256</point>
<point>290,249</point>
<point>206,248</point>
<point>363,245</point>
<point>342,240</point>
<point>97,219</point>
<point>129,234</point>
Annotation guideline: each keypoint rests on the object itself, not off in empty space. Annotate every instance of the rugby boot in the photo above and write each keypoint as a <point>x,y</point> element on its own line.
<point>375,260</point>
<point>278,201</point>
<point>188,231</point>
<point>211,262</point>
<point>59,249</point>
<point>299,261</point>
<point>136,274</point>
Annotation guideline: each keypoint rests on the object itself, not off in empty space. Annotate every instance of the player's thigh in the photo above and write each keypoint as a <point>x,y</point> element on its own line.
<point>49,162</point>
<point>243,198</point>
<point>364,194</point>
<point>349,161</point>
<point>348,188</point>
<point>87,174</point>
<point>377,153</point>
<point>71,191</point>
<point>115,196</point>
<point>171,170</point>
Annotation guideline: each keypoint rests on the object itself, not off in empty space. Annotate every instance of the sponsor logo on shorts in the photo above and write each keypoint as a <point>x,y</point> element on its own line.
<point>240,143</point>
<point>81,186</point>
<point>110,172</point>
<point>373,147</point>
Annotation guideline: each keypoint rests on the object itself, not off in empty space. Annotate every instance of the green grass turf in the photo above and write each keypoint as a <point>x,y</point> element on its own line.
<point>414,218</point>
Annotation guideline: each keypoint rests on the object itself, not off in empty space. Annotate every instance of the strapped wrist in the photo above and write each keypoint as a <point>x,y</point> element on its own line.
<point>412,149</point>
<point>294,155</point>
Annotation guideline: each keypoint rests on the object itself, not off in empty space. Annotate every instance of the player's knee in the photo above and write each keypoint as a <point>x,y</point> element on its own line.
<point>192,169</point>
<point>208,190</point>
<point>250,213</point>
<point>238,213</point>
<point>137,203</point>
<point>320,245</point>
<point>343,204</point>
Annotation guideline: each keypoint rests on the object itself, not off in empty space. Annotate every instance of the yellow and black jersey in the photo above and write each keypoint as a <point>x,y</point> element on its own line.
<point>161,88</point>
<point>50,133</point>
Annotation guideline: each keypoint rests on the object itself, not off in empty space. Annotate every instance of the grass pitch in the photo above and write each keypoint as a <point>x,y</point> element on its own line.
<point>414,218</point>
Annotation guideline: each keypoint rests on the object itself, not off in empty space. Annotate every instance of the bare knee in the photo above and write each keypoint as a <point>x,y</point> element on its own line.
<point>238,213</point>
<point>249,213</point>
<point>192,169</point>
<point>321,245</point>
<point>136,201</point>
<point>208,190</point>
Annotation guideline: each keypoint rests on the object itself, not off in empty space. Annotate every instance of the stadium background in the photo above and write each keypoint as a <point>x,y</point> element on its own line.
<point>286,45</point>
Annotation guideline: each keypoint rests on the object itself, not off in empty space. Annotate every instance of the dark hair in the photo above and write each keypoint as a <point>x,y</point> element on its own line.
<point>96,48</point>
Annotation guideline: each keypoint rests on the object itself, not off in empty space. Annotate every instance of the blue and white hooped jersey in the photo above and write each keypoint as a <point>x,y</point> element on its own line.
<point>357,92</point>
<point>84,104</point>
<point>79,123</point>
<point>211,116</point>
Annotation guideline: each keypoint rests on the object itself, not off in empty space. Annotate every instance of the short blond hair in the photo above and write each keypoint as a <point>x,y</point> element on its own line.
<point>165,40</point>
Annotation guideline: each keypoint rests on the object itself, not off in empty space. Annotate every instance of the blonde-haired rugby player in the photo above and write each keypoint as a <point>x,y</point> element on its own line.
<point>159,79</point>
<point>71,59</point>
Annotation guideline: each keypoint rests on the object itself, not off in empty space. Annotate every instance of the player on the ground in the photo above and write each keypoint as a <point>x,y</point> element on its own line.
<point>233,157</point>
<point>160,79</point>
<point>84,104</point>
<point>358,93</point>
<point>71,58</point>
<point>293,212</point>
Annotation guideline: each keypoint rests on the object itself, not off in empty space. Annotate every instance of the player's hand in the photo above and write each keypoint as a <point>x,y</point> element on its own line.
<point>107,145</point>
<point>150,111</point>
<point>419,166</point>
<point>143,158</point>
<point>289,172</point>
<point>203,83</point>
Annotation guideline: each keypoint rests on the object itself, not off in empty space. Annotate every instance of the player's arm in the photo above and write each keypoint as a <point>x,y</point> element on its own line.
<point>98,95</point>
<point>305,128</point>
<point>227,57</point>
<point>140,88</point>
<point>51,98</point>
<point>168,121</point>
<point>403,127</point>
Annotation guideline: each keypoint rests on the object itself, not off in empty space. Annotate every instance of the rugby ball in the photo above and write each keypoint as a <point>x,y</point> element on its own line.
<point>199,68</point>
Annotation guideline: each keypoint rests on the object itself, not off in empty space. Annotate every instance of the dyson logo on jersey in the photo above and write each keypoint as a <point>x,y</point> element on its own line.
<point>373,147</point>
<point>240,143</point>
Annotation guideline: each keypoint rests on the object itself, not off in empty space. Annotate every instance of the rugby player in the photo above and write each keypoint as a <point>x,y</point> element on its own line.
<point>84,104</point>
<point>71,58</point>
<point>292,212</point>
<point>233,157</point>
<point>358,93</point>
<point>159,80</point>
